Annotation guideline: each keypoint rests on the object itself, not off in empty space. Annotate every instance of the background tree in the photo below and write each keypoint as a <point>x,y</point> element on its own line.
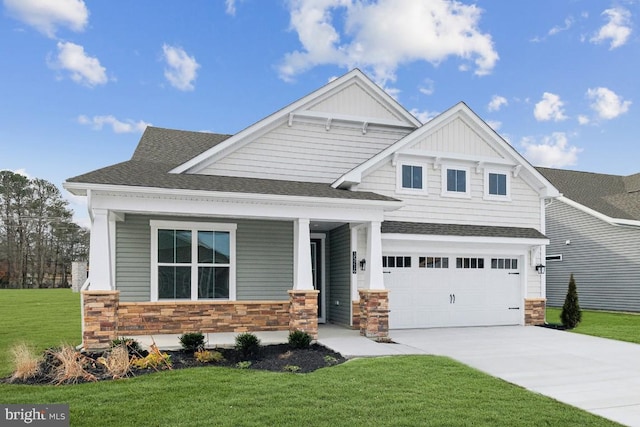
<point>571,314</point>
<point>38,239</point>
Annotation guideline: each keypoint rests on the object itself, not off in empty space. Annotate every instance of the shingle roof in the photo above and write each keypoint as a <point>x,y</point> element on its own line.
<point>400,227</point>
<point>160,150</point>
<point>612,195</point>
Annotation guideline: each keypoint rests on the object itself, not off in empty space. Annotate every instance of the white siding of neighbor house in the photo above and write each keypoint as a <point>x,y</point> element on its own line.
<point>456,137</point>
<point>353,100</point>
<point>264,257</point>
<point>306,151</point>
<point>604,259</point>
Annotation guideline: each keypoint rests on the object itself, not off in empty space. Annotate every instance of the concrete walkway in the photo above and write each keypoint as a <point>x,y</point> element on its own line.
<point>594,374</point>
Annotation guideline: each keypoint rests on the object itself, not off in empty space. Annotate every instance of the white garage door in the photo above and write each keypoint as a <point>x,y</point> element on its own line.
<point>453,290</point>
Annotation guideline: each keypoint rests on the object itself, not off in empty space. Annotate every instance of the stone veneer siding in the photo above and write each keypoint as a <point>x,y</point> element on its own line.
<point>374,313</point>
<point>105,318</point>
<point>303,311</point>
<point>355,315</point>
<point>534,311</point>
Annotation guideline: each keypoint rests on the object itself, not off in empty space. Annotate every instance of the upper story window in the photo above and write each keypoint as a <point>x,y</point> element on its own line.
<point>192,261</point>
<point>455,182</point>
<point>412,177</point>
<point>496,185</point>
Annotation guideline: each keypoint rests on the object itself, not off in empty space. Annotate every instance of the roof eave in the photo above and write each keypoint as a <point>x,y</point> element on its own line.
<point>599,215</point>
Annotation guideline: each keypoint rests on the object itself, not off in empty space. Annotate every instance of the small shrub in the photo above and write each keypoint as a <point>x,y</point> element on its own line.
<point>243,365</point>
<point>133,347</point>
<point>26,363</point>
<point>291,368</point>
<point>571,314</point>
<point>192,341</point>
<point>248,344</point>
<point>70,369</point>
<point>299,339</point>
<point>208,356</point>
<point>330,360</point>
<point>117,361</point>
<point>154,360</point>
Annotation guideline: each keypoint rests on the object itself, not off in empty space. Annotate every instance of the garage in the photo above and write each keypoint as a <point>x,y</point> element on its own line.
<point>452,289</point>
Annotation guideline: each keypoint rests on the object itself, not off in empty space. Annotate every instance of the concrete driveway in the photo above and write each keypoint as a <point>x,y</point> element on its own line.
<point>595,374</point>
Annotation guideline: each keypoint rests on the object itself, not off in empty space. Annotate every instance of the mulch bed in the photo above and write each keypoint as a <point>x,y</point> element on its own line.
<point>278,358</point>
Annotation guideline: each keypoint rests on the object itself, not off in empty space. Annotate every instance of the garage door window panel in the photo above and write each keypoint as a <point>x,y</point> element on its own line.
<point>469,263</point>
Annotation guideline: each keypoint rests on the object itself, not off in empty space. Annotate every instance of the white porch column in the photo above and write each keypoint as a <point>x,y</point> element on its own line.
<point>100,252</point>
<point>354,275</point>
<point>373,277</point>
<point>302,275</point>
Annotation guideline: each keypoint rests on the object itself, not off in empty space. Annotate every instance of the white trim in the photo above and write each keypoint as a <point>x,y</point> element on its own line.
<point>603,217</point>
<point>374,275</point>
<point>302,277</point>
<point>82,189</point>
<point>497,197</point>
<point>194,227</point>
<point>415,191</point>
<point>466,239</point>
<point>457,194</point>
<point>322,316</point>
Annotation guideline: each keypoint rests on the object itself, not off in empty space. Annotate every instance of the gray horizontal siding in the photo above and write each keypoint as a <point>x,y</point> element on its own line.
<point>340,276</point>
<point>604,259</point>
<point>264,257</point>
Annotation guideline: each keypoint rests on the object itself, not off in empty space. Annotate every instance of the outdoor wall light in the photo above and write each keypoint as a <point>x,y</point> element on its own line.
<point>363,264</point>
<point>540,268</point>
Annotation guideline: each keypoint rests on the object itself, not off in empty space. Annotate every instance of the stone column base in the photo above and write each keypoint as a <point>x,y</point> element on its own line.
<point>374,313</point>
<point>303,311</point>
<point>534,311</point>
<point>100,319</point>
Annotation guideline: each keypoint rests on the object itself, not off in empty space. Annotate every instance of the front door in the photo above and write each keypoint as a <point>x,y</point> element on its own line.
<point>317,271</point>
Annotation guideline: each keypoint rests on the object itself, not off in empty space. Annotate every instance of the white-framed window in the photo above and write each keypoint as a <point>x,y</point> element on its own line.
<point>411,178</point>
<point>456,181</point>
<point>193,260</point>
<point>497,185</point>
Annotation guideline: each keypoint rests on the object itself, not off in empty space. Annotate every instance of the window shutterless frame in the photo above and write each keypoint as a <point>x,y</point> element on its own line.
<point>456,181</point>
<point>497,185</point>
<point>411,177</point>
<point>190,261</point>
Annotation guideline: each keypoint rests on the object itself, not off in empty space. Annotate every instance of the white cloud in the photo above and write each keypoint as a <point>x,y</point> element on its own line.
<point>181,70</point>
<point>118,126</point>
<point>617,30</point>
<point>47,15</point>
<point>549,108</point>
<point>495,124</point>
<point>568,23</point>
<point>497,102</point>
<point>423,116</point>
<point>380,36</point>
<point>427,88</point>
<point>21,171</point>
<point>553,151</point>
<point>606,103</point>
<point>583,120</point>
<point>84,69</point>
<point>230,7</point>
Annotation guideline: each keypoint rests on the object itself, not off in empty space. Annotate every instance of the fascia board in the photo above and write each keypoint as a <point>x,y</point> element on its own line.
<point>387,205</point>
<point>601,216</point>
<point>466,239</point>
<point>282,116</point>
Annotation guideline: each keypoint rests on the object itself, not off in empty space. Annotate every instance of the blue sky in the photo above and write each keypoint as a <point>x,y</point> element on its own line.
<point>80,80</point>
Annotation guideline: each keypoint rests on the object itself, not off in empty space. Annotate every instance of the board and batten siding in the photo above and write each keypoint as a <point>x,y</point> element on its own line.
<point>264,257</point>
<point>355,101</point>
<point>305,152</point>
<point>604,259</point>
<point>456,137</point>
<point>523,210</point>
<point>340,276</point>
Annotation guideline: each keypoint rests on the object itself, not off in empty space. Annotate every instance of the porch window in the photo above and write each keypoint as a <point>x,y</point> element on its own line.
<point>192,261</point>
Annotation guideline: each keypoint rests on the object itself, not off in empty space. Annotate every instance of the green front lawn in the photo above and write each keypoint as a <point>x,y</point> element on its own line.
<point>402,390</point>
<point>616,326</point>
<point>42,317</point>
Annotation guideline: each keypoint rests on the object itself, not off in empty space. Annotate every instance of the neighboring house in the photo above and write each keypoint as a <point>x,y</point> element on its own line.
<point>341,208</point>
<point>594,230</point>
